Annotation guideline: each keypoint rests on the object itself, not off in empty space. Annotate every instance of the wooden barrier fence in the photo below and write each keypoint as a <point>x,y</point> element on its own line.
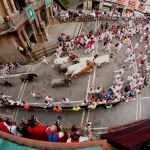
<point>45,51</point>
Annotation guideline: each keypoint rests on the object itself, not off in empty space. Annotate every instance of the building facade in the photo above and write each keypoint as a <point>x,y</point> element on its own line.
<point>23,23</point>
<point>121,5</point>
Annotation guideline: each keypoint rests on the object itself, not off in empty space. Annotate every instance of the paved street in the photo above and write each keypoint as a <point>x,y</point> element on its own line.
<point>101,117</point>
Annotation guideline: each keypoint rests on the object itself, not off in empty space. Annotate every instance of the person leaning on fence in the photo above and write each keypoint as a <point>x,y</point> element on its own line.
<point>92,105</point>
<point>76,108</point>
<point>77,138</point>
<point>26,106</point>
<point>57,109</point>
<point>36,129</point>
<point>9,20</point>
<point>21,50</point>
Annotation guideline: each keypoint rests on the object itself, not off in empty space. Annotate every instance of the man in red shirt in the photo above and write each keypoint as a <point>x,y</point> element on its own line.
<point>58,109</point>
<point>142,61</point>
<point>37,130</point>
<point>3,124</point>
<point>3,127</point>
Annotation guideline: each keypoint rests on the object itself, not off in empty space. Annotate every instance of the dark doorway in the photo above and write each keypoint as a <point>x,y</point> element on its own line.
<point>28,29</point>
<point>29,32</point>
<point>95,5</point>
<point>20,4</point>
<point>32,39</point>
<point>120,10</point>
<point>43,15</point>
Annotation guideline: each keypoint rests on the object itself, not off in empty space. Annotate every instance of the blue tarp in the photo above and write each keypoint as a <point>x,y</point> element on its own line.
<point>92,148</point>
<point>6,145</point>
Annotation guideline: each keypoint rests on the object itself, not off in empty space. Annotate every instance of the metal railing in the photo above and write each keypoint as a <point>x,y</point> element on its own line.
<point>21,17</point>
<point>3,27</point>
<point>91,18</point>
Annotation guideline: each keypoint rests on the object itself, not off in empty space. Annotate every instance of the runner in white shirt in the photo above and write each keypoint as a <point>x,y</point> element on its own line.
<point>66,101</point>
<point>44,60</point>
<point>48,98</point>
<point>5,97</point>
<point>136,45</point>
<point>119,46</point>
<point>120,70</point>
<point>141,39</point>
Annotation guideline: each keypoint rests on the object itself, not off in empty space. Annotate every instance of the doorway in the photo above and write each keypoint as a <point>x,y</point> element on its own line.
<point>95,5</point>
<point>20,4</point>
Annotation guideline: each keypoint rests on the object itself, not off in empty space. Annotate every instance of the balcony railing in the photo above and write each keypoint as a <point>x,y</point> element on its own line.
<point>20,18</point>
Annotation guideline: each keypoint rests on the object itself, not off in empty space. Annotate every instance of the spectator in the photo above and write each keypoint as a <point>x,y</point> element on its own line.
<point>21,50</point>
<point>48,98</point>
<point>9,20</point>
<point>76,138</point>
<point>26,106</point>
<point>23,129</point>
<point>13,129</point>
<point>66,101</point>
<point>62,137</point>
<point>52,133</point>
<point>76,108</point>
<point>28,46</point>
<point>3,124</point>
<point>35,95</point>
<point>58,109</point>
<point>36,129</point>
<point>92,105</point>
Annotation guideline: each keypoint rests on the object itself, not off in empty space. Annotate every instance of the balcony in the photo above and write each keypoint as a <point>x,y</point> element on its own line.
<point>20,19</point>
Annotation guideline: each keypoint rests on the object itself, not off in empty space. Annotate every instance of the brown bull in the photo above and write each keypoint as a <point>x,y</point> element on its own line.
<point>88,67</point>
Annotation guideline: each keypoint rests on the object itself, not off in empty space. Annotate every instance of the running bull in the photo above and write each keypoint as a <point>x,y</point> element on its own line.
<point>28,77</point>
<point>60,82</point>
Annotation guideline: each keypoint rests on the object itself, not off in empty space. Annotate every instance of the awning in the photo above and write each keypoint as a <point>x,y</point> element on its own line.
<point>92,148</point>
<point>6,145</point>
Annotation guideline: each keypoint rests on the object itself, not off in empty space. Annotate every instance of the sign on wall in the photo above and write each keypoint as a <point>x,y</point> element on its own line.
<point>30,13</point>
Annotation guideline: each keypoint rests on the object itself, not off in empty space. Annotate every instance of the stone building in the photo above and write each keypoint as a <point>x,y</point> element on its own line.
<point>16,29</point>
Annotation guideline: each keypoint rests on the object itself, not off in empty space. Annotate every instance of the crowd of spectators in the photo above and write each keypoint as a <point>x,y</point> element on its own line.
<point>78,14</point>
<point>34,129</point>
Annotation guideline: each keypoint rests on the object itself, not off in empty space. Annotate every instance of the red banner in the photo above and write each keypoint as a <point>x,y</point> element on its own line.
<point>132,3</point>
<point>120,1</point>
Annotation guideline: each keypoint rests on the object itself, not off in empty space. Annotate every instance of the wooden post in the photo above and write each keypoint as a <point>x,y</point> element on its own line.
<point>36,39</point>
<point>6,7</point>
<point>51,12</point>
<point>21,39</point>
<point>45,32</point>
<point>22,44</point>
<point>47,16</point>
<point>37,24</point>
<point>25,35</point>
<point>13,6</point>
<point>44,48</point>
